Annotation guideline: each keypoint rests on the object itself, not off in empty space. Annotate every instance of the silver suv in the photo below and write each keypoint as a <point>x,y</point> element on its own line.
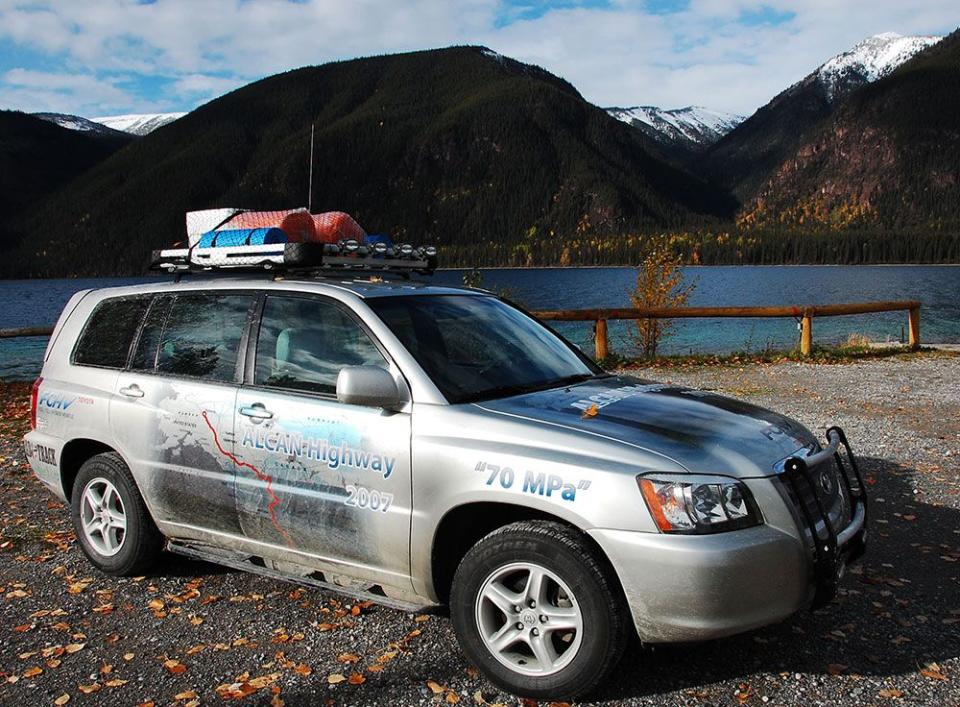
<point>426,446</point>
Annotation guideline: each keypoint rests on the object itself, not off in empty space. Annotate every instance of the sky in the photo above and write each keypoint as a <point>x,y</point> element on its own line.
<point>104,57</point>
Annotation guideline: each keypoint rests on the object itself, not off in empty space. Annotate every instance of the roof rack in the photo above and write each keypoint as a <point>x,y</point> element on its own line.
<point>345,256</point>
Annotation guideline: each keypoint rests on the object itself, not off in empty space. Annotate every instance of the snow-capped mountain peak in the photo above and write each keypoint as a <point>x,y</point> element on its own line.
<point>693,126</point>
<point>76,122</point>
<point>138,124</point>
<point>871,59</point>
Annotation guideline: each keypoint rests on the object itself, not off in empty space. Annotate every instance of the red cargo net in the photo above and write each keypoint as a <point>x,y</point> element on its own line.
<point>334,226</point>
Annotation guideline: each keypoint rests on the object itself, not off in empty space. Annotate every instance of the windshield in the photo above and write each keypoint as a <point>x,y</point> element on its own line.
<point>479,348</point>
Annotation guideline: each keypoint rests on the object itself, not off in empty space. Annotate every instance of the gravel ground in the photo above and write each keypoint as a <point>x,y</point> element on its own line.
<point>175,637</point>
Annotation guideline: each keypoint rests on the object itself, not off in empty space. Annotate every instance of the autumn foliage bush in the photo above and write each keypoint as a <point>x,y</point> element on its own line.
<point>660,284</point>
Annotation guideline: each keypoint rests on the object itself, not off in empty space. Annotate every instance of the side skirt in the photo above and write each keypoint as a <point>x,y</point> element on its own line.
<point>254,565</point>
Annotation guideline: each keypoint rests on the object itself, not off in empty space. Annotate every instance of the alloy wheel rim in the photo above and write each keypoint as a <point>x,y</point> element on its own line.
<point>529,619</point>
<point>102,517</point>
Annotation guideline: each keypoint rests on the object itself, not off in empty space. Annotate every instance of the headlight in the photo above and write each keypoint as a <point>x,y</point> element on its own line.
<point>707,504</point>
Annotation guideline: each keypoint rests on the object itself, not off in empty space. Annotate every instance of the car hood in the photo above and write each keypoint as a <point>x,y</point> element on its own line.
<point>700,430</point>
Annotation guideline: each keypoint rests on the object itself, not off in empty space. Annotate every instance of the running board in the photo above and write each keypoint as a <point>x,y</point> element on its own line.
<point>248,565</point>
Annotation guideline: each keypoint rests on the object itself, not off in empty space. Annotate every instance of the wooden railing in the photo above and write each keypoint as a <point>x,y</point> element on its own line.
<point>26,331</point>
<point>600,317</point>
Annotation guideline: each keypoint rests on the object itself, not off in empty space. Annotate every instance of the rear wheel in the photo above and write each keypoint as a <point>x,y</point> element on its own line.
<point>536,609</point>
<point>112,523</point>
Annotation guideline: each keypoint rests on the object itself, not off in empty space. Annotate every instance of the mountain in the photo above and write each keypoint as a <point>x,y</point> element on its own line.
<point>37,157</point>
<point>460,146</point>
<point>743,159</point>
<point>84,125</point>
<point>138,124</point>
<point>887,159</point>
<point>689,130</point>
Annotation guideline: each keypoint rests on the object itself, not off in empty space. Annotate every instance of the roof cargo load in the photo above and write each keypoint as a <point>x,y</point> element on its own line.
<point>336,226</point>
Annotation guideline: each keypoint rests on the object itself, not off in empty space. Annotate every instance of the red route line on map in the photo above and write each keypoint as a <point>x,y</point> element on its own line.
<point>274,499</point>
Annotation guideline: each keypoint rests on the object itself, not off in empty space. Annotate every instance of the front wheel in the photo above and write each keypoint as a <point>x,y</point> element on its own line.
<point>537,609</point>
<point>112,523</point>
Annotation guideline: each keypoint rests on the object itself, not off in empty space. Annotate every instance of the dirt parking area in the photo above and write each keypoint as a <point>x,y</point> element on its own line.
<point>193,633</point>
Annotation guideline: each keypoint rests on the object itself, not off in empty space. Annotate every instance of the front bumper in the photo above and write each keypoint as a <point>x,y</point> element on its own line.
<point>696,587</point>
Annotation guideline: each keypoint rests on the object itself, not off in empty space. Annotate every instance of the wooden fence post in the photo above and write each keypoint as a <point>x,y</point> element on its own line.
<point>914,328</point>
<point>806,333</point>
<point>600,339</point>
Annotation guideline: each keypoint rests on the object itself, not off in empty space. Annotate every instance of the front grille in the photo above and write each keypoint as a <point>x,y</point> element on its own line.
<point>825,484</point>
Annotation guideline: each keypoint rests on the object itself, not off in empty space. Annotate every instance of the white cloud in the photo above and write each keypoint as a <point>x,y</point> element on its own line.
<point>31,90</point>
<point>179,52</point>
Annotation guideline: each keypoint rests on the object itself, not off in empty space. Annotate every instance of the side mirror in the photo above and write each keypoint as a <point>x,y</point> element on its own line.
<point>370,386</point>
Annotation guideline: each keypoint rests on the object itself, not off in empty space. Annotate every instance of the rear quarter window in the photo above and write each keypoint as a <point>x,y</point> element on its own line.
<point>108,333</point>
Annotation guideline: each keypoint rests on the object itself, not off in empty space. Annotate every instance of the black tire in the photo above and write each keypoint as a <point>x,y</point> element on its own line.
<point>566,553</point>
<point>141,542</point>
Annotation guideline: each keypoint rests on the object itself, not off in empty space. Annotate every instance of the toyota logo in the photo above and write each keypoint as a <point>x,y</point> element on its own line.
<point>826,483</point>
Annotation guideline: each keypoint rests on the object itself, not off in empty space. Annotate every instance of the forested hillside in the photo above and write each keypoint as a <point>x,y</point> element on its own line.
<point>457,146</point>
<point>889,159</point>
<point>37,158</point>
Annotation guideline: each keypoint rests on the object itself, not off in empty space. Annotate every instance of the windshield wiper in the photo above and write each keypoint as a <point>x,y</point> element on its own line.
<point>510,390</point>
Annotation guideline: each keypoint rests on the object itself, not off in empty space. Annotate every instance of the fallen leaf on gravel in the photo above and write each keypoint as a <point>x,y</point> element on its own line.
<point>174,666</point>
<point>196,620</point>
<point>836,668</point>
<point>421,618</point>
<point>452,698</point>
<point>103,609</point>
<point>62,700</point>
<point>116,682</point>
<point>348,657</point>
<point>336,678</point>
<point>303,670</point>
<point>74,647</point>
<point>374,668</point>
<point>32,672</point>
<point>89,689</point>
<point>890,693</point>
<point>187,695</point>
<point>356,679</point>
<point>128,656</point>
<point>435,687</point>
<point>106,669</point>
<point>933,672</point>
<point>54,663</point>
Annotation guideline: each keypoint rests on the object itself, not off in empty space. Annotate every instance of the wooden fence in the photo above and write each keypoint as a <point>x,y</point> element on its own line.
<point>600,317</point>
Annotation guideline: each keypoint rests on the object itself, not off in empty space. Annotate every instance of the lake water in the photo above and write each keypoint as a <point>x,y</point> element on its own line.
<point>38,303</point>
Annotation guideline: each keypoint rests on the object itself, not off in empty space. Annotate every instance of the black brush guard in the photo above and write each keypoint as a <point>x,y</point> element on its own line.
<point>832,549</point>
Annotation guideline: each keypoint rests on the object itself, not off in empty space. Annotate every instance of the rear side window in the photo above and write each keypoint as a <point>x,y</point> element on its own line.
<point>145,355</point>
<point>202,335</point>
<point>106,338</point>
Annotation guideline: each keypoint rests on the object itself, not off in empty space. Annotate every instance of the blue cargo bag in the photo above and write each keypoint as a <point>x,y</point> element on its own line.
<point>242,236</point>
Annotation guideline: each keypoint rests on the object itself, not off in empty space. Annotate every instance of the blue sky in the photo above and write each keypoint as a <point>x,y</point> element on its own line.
<point>103,57</point>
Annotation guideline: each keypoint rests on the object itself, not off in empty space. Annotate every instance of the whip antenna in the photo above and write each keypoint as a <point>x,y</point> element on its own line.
<point>310,186</point>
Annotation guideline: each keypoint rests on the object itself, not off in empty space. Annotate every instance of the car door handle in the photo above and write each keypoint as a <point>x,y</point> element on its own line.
<point>132,391</point>
<point>257,411</point>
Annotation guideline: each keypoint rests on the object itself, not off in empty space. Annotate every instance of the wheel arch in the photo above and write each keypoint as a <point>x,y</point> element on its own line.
<point>73,456</point>
<point>461,527</point>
